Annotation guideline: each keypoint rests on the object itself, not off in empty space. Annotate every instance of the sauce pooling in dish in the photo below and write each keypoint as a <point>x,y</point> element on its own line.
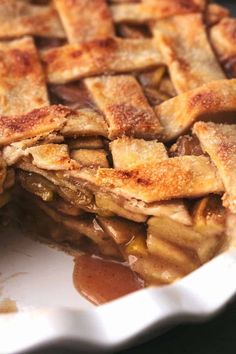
<point>101,280</point>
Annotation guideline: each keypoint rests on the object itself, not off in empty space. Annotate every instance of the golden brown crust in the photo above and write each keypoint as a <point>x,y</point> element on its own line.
<point>123,1</point>
<point>130,153</point>
<point>36,122</point>
<point>219,141</point>
<point>154,10</point>
<point>19,18</point>
<point>178,114</point>
<point>85,20</point>
<point>223,39</point>
<point>179,177</point>
<point>15,151</point>
<point>22,84</point>
<point>215,13</point>
<point>110,55</point>
<point>57,119</point>
<point>85,122</point>
<point>187,53</point>
<point>130,13</point>
<point>124,105</point>
<point>52,157</point>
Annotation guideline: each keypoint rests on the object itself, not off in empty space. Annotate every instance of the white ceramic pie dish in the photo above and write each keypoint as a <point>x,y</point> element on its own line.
<point>39,279</point>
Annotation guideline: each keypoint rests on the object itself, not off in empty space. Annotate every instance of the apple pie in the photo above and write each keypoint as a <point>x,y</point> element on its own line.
<point>118,119</point>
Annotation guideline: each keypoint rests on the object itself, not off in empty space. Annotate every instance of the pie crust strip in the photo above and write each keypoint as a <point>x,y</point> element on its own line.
<point>37,122</point>
<point>85,20</point>
<point>22,84</point>
<point>219,141</point>
<point>129,153</point>
<point>20,18</point>
<point>215,13</point>
<point>178,114</point>
<point>51,119</point>
<point>124,105</point>
<point>223,39</point>
<point>110,55</point>
<point>187,53</point>
<point>154,10</point>
<point>179,177</point>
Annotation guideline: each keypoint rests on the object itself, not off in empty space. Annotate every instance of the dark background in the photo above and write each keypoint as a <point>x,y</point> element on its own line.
<point>217,336</point>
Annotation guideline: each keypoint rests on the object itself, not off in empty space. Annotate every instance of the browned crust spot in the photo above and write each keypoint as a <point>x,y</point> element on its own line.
<point>19,124</point>
<point>180,6</point>
<point>138,178</point>
<point>205,100</point>
<point>21,62</point>
<point>228,26</point>
<point>129,119</point>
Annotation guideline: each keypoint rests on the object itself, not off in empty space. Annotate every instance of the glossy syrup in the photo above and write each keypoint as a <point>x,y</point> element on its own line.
<point>101,280</point>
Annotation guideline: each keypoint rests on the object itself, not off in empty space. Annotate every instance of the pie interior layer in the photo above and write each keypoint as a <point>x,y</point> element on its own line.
<point>118,128</point>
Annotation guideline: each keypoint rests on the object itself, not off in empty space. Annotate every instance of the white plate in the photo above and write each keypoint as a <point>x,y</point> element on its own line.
<point>39,279</point>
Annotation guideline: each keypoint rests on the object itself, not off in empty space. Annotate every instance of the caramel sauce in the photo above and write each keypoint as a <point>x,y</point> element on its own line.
<point>101,280</point>
<point>7,306</point>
